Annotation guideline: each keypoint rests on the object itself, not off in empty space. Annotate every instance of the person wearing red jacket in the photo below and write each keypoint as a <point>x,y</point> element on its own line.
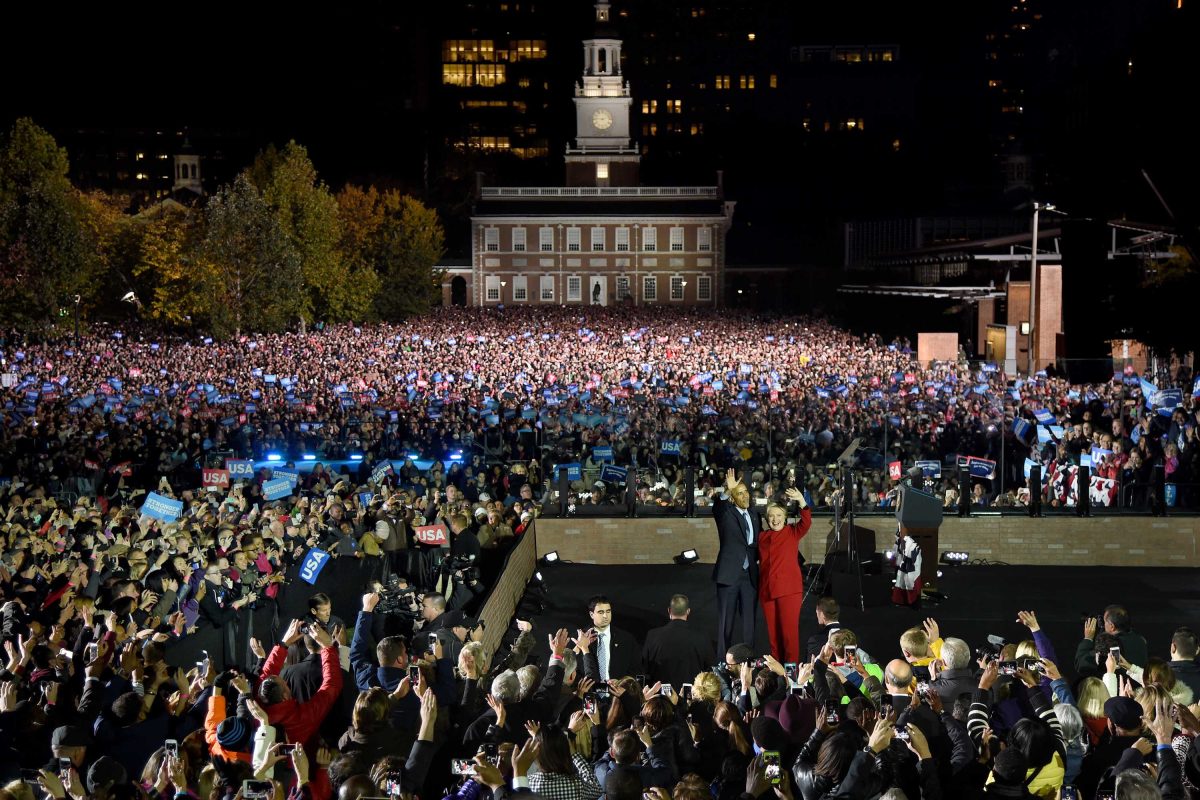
<point>780,582</point>
<point>300,721</point>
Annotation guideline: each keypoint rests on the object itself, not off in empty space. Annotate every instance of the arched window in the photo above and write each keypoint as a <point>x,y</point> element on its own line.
<point>193,172</point>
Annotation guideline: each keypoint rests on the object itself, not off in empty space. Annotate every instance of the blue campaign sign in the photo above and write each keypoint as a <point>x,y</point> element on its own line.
<point>162,508</point>
<point>602,454</point>
<point>574,470</point>
<point>981,468</point>
<point>1044,416</point>
<point>313,563</point>
<point>1029,464</point>
<point>381,472</point>
<point>277,489</point>
<point>930,469</point>
<point>1020,428</point>
<point>669,447</point>
<point>1168,398</point>
<point>1148,391</point>
<point>613,474</point>
<point>239,468</point>
<point>291,476</point>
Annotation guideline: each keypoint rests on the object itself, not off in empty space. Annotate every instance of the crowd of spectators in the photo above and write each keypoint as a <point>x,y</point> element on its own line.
<point>520,390</point>
<point>106,695</point>
<point>921,716</point>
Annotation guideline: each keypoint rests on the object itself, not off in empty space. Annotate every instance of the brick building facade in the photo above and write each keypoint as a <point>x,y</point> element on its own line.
<point>602,238</point>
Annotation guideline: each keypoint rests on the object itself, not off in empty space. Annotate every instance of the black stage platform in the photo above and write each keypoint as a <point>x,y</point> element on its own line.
<point>979,600</point>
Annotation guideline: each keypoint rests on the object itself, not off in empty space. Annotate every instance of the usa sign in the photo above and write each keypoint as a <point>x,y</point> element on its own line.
<point>431,534</point>
<point>215,478</point>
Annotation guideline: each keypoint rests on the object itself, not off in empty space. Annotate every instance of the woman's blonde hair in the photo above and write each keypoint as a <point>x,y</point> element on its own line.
<point>1092,694</point>
<point>707,687</point>
<point>19,790</point>
<point>1027,649</point>
<point>478,655</point>
<point>1148,698</point>
<point>776,506</point>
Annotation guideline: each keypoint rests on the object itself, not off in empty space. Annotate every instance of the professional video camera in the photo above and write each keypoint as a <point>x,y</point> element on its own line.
<point>465,565</point>
<point>400,600</point>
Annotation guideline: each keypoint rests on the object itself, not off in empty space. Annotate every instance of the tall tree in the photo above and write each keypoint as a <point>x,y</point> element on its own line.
<point>106,229</point>
<point>308,214</point>
<point>407,246</point>
<point>44,250</point>
<point>170,268</point>
<point>256,276</point>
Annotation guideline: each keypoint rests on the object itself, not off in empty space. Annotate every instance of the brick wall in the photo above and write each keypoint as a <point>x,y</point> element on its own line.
<point>1121,541</point>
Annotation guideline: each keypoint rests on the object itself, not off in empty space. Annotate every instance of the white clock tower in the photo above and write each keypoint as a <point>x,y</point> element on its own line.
<point>603,154</point>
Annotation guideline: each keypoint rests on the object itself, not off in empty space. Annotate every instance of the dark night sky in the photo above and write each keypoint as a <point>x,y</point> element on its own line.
<point>292,73</point>
<point>325,75</point>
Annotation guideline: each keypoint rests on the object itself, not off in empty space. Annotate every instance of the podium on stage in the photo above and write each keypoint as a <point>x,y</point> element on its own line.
<point>920,515</point>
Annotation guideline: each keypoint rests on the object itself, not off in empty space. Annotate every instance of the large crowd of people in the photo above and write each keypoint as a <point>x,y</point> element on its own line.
<point>523,390</point>
<point>148,605</point>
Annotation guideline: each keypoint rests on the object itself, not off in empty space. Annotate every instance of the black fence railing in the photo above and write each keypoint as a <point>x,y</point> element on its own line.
<point>647,493</point>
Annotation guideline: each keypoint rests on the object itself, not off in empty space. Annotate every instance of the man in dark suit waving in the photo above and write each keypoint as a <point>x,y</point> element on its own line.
<point>676,653</point>
<point>736,570</point>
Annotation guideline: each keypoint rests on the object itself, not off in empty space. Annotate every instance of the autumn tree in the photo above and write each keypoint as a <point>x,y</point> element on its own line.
<point>107,233</point>
<point>170,269</point>
<point>308,214</point>
<point>256,278</point>
<point>398,238</point>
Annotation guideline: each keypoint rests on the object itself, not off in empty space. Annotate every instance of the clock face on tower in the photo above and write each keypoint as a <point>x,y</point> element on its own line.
<point>602,119</point>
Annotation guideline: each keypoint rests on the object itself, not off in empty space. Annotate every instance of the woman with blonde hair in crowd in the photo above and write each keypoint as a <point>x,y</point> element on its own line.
<point>1092,694</point>
<point>707,687</point>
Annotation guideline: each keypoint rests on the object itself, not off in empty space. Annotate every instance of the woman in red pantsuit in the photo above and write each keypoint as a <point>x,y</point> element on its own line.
<point>780,582</point>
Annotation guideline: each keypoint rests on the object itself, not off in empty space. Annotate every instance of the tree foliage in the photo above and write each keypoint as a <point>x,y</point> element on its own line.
<point>170,270</point>
<point>1161,316</point>
<point>308,214</point>
<point>45,253</point>
<point>256,277</point>
<point>267,252</point>
<point>408,245</point>
<point>396,237</point>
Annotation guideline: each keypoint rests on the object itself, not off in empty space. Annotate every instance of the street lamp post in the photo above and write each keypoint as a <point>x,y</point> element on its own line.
<point>77,299</point>
<point>1034,328</point>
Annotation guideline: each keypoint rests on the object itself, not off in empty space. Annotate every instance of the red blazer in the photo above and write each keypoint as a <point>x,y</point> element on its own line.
<point>779,559</point>
<point>300,721</point>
